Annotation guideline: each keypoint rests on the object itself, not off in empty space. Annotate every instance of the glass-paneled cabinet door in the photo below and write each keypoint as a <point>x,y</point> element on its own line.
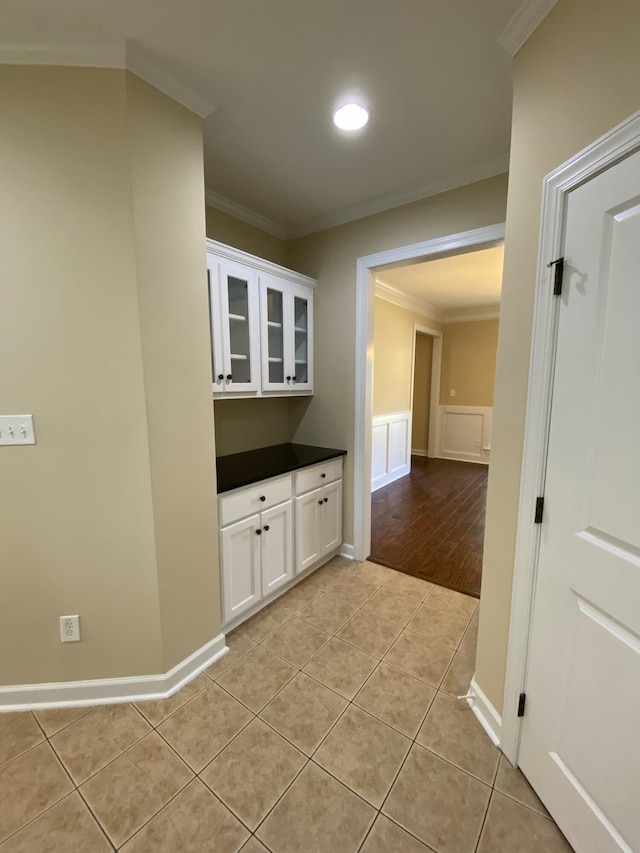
<point>215,312</point>
<point>275,345</point>
<point>240,321</point>
<point>301,338</point>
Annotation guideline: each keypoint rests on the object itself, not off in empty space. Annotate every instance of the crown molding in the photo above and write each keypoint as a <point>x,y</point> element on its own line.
<point>524,23</point>
<point>468,315</point>
<point>124,54</point>
<point>487,169</point>
<point>244,214</point>
<point>141,63</point>
<point>427,309</point>
<point>399,297</point>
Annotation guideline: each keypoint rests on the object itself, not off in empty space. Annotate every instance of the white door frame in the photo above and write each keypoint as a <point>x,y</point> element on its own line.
<point>453,244</point>
<point>434,396</point>
<point>614,146</point>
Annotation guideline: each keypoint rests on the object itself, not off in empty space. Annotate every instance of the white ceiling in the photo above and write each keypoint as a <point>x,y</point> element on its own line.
<point>436,81</point>
<point>469,281</point>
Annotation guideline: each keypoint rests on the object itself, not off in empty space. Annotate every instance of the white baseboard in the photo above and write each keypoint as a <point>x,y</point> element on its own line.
<point>347,551</point>
<point>463,457</point>
<point>419,452</point>
<point>488,717</point>
<point>109,691</point>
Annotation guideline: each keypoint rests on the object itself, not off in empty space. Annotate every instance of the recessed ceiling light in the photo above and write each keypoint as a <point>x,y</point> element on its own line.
<point>350,117</point>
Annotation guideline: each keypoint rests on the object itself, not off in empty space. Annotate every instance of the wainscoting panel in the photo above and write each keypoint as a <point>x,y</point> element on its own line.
<point>390,455</point>
<point>465,433</point>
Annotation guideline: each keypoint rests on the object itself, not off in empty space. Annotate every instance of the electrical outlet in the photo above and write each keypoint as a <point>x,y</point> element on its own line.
<point>452,392</point>
<point>477,442</point>
<point>70,629</point>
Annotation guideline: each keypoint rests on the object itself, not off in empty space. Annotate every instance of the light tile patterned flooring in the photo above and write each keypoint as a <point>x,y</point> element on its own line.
<point>330,725</point>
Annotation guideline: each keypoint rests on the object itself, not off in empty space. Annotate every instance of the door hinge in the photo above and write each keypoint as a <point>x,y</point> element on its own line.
<point>521,703</point>
<point>537,519</point>
<point>558,272</point>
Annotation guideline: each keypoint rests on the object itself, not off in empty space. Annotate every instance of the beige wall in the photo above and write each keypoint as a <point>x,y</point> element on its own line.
<point>330,256</point>
<point>576,77</point>
<point>393,355</point>
<point>166,166</point>
<point>92,326</point>
<point>469,363</point>
<point>247,424</point>
<point>422,393</point>
<point>227,229</point>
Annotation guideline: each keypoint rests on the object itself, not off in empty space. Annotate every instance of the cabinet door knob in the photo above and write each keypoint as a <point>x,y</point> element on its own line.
<point>288,379</point>
<point>266,527</point>
<point>323,475</point>
<point>294,378</point>
<point>220,377</point>
<point>258,532</point>
<point>229,376</point>
<point>320,502</point>
<point>263,498</point>
<point>326,500</point>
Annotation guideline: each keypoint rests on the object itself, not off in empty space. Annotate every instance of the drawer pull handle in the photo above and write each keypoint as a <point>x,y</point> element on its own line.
<point>263,498</point>
<point>320,502</point>
<point>326,500</point>
<point>266,527</point>
<point>258,532</point>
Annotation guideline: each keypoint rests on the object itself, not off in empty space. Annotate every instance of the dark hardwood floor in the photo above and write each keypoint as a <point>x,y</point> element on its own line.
<point>431,523</point>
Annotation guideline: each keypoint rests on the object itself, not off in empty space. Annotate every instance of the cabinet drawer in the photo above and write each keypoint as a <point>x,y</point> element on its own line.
<point>252,499</point>
<point>318,475</point>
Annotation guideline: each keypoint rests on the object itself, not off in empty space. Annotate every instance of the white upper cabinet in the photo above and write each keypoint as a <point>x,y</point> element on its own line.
<point>235,327</point>
<point>261,326</point>
<point>286,314</point>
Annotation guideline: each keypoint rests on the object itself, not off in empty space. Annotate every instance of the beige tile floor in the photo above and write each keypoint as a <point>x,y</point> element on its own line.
<point>332,724</point>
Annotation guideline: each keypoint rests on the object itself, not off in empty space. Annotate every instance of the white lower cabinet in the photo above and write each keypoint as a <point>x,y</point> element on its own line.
<point>318,524</point>
<point>257,547</point>
<point>257,558</point>
<point>276,547</point>
<point>240,558</point>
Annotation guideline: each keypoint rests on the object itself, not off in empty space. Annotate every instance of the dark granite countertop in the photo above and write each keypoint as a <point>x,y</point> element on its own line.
<point>242,469</point>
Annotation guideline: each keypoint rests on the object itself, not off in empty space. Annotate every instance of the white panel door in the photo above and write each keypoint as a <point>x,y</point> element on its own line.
<point>308,543</point>
<point>580,745</point>
<point>331,511</point>
<point>276,547</point>
<point>240,557</point>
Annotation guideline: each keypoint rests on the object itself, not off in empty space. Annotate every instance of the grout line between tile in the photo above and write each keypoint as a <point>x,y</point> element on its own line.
<point>95,817</point>
<point>484,820</point>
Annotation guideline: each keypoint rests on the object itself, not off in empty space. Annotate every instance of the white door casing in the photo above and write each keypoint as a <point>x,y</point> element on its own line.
<point>478,238</point>
<point>579,747</point>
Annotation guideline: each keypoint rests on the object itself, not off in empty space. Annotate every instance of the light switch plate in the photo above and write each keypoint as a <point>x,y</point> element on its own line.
<point>17,429</point>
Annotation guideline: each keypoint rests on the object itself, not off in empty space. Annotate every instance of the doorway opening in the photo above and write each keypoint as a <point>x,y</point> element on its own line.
<point>455,435</point>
